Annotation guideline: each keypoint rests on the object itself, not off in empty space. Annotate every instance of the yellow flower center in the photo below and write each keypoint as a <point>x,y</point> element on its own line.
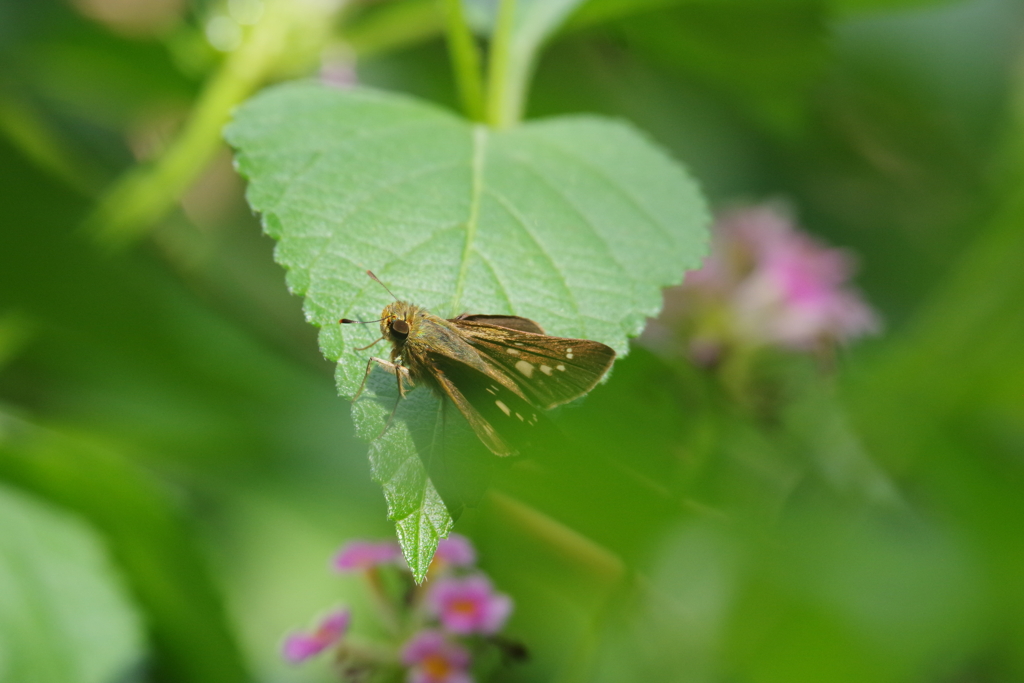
<point>463,606</point>
<point>436,666</point>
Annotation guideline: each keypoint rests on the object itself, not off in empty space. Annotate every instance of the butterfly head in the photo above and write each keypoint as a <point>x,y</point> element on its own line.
<point>397,320</point>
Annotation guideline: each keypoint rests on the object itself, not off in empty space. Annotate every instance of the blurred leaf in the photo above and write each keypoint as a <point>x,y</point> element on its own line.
<point>832,594</point>
<point>146,536</point>
<point>630,447</point>
<point>856,6</point>
<point>854,596</point>
<point>763,56</point>
<point>102,77</point>
<point>26,127</point>
<point>905,129</point>
<point>672,627</point>
<point>15,332</point>
<point>818,427</point>
<point>959,356</point>
<point>600,11</point>
<point>167,370</point>
<point>942,404</point>
<point>64,616</point>
<point>575,223</point>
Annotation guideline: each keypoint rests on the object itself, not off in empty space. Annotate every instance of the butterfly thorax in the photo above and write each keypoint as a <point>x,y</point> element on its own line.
<point>416,335</point>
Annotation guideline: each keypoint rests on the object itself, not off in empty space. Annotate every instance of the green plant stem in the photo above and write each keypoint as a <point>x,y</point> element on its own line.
<point>503,78</point>
<point>144,194</point>
<point>567,542</point>
<point>465,60</point>
<point>386,608</point>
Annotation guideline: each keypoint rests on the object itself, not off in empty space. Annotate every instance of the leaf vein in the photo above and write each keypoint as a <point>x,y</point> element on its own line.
<point>558,192</point>
<point>501,285</point>
<point>511,210</point>
<point>355,137</point>
<point>367,197</point>
<point>476,189</point>
<point>600,173</point>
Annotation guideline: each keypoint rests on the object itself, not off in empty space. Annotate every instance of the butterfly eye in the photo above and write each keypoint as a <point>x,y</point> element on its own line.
<point>400,328</point>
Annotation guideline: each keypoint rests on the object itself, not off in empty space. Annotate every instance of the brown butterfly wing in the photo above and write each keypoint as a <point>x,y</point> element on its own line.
<point>513,322</point>
<point>549,371</point>
<point>487,434</point>
<point>503,420</point>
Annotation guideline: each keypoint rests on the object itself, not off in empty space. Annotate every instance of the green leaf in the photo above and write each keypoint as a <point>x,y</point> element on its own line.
<point>192,639</point>
<point>866,6</point>
<point>428,461</point>
<point>15,331</point>
<point>64,615</point>
<point>764,57</point>
<point>575,222</point>
<point>601,11</point>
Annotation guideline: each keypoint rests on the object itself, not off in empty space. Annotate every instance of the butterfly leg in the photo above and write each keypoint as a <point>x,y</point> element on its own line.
<point>363,348</point>
<point>394,368</point>
<point>400,371</point>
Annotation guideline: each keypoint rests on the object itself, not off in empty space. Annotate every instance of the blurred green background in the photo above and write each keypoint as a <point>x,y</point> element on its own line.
<point>176,469</point>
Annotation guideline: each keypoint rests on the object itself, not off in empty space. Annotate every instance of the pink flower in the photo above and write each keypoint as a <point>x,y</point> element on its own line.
<point>765,282</point>
<point>469,605</point>
<point>301,646</point>
<point>434,659</point>
<point>361,555</point>
<point>794,297</point>
<point>456,551</point>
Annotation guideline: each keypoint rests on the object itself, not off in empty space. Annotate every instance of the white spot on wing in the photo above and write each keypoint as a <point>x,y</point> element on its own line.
<point>568,353</point>
<point>546,369</point>
<point>525,368</point>
<point>560,367</point>
<point>504,408</point>
<point>514,352</point>
<point>519,416</point>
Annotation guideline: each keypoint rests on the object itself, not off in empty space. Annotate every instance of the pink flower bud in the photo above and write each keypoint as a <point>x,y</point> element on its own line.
<point>303,645</point>
<point>361,555</point>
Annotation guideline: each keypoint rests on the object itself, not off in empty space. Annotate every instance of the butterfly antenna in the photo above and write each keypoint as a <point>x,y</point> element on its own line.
<point>346,321</point>
<point>377,280</point>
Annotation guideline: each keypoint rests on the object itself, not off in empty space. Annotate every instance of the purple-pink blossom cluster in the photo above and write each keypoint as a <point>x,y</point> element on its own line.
<point>765,283</point>
<point>435,626</point>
